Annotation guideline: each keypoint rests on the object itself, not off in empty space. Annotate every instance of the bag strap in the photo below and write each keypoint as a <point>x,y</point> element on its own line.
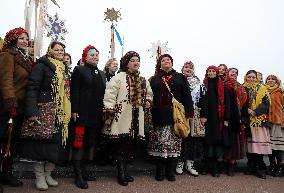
<point>167,86</point>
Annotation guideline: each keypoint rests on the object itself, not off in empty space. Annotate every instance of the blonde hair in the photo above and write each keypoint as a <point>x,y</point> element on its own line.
<point>107,65</point>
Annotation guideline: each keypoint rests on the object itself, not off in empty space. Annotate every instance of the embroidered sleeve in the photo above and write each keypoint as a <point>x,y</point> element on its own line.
<point>111,92</point>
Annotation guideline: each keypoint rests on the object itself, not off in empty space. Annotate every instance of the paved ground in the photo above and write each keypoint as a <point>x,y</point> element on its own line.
<point>184,184</point>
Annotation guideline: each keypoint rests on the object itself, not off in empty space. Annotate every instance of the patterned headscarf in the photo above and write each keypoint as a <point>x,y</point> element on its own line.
<point>125,60</point>
<point>12,37</point>
<point>158,65</point>
<point>85,52</point>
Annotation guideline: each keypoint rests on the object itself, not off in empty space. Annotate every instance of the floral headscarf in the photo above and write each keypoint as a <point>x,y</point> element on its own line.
<point>12,37</point>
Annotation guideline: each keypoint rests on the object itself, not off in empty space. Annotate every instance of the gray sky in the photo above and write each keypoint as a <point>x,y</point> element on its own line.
<point>247,34</point>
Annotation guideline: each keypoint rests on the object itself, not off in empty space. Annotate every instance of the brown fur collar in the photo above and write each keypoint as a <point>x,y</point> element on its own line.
<point>20,58</point>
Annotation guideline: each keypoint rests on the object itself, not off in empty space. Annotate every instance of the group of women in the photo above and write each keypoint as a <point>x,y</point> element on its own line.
<point>53,110</point>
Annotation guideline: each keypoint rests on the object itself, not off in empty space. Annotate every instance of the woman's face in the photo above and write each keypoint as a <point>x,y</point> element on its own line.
<point>58,52</point>
<point>222,70</point>
<point>166,64</point>
<point>23,41</point>
<point>67,60</point>
<point>233,74</point>
<point>188,70</point>
<point>92,57</point>
<point>133,64</point>
<point>113,67</point>
<point>211,73</point>
<point>251,78</point>
<point>271,81</point>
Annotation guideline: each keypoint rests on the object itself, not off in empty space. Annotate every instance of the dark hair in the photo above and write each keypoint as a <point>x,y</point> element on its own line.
<point>67,54</point>
<point>251,71</point>
<point>233,68</point>
<point>54,43</point>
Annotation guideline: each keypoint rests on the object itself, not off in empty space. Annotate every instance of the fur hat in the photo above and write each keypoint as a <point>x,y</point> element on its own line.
<point>125,60</point>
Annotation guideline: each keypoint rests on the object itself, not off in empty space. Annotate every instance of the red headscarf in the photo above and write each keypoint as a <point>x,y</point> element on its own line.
<point>221,94</point>
<point>12,36</point>
<point>85,52</point>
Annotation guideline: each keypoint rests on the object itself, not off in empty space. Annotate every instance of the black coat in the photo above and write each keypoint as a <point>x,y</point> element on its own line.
<point>214,133</point>
<point>162,100</point>
<point>39,89</point>
<point>88,85</point>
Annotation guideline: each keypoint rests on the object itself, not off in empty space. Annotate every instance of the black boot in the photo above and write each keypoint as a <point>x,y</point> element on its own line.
<point>121,173</point>
<point>80,182</point>
<point>205,166</point>
<point>160,169</point>
<point>260,173</point>
<point>91,176</point>
<point>127,176</point>
<point>279,170</point>
<point>171,168</point>
<point>1,189</point>
<point>230,169</point>
<point>7,176</point>
<point>215,169</point>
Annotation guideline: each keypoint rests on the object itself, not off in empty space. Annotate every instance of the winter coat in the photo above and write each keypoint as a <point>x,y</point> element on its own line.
<point>14,71</point>
<point>162,99</point>
<point>116,99</point>
<point>88,85</point>
<point>276,107</point>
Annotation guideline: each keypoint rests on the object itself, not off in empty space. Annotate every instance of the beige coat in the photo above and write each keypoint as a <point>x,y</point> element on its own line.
<point>116,98</point>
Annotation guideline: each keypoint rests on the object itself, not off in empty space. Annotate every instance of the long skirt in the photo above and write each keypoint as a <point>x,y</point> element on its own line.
<point>259,142</point>
<point>163,142</point>
<point>277,137</point>
<point>192,148</point>
<point>236,151</point>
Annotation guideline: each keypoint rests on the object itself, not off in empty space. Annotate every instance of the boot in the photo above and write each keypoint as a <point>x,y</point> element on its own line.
<point>260,173</point>
<point>80,182</point>
<point>127,176</point>
<point>279,170</point>
<point>48,168</point>
<point>160,169</point>
<point>230,169</point>
<point>121,173</point>
<point>190,168</point>
<point>88,176</point>
<point>179,168</point>
<point>40,181</point>
<point>215,169</point>
<point>271,168</point>
<point>205,166</point>
<point>1,189</point>
<point>7,176</point>
<point>170,169</point>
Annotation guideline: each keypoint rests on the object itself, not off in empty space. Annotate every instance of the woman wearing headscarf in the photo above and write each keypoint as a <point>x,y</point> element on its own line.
<point>126,99</point>
<point>255,119</point>
<point>192,146</point>
<point>48,88</point>
<point>238,97</point>
<point>215,115</point>
<point>164,145</point>
<point>87,92</point>
<point>15,65</point>
<point>275,119</point>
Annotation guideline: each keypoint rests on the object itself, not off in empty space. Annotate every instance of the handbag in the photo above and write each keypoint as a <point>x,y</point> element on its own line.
<point>44,127</point>
<point>181,123</point>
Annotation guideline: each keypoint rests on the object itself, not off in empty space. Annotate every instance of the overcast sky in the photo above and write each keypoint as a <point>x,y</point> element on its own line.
<point>247,34</point>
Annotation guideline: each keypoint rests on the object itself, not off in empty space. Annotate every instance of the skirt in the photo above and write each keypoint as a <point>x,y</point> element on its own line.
<point>163,142</point>
<point>259,142</point>
<point>277,137</point>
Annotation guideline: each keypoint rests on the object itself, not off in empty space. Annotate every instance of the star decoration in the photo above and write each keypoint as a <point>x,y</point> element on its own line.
<point>55,28</point>
<point>158,48</point>
<point>112,15</point>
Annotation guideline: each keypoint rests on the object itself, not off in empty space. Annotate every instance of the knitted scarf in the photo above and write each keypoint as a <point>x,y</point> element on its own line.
<point>61,97</point>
